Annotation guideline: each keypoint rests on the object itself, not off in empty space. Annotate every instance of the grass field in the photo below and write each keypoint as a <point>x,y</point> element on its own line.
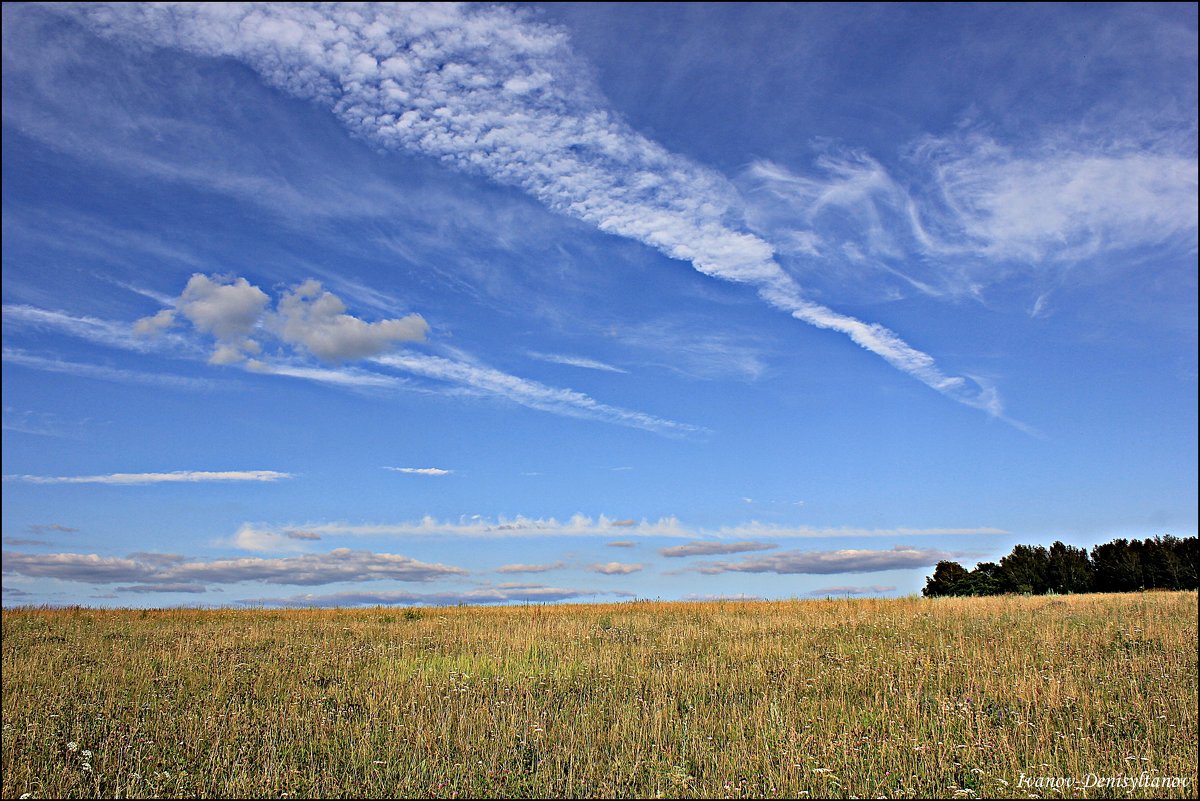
<point>869,698</point>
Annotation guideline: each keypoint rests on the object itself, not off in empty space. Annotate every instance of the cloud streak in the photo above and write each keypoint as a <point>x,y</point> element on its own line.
<point>714,548</point>
<point>179,476</point>
<point>829,562</point>
<point>489,91</point>
<point>500,594</point>
<point>144,570</point>
<point>581,525</point>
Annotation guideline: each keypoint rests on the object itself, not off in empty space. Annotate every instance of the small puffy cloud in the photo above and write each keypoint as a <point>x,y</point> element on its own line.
<point>520,568</point>
<point>713,548</point>
<point>829,562</point>
<point>228,308</point>
<point>235,314</point>
<point>317,320</point>
<point>155,324</point>
<point>421,471</point>
<point>615,568</point>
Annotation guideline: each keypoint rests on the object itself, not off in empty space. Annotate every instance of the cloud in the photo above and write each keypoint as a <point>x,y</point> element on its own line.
<point>615,568</point>
<point>503,593</point>
<point>581,525</point>
<point>316,319</point>
<point>829,562</point>
<point>42,528</point>
<point>575,361</point>
<point>621,544</point>
<point>294,534</point>
<point>712,548</point>
<point>464,376</point>
<point>167,587</point>
<point>976,212</point>
<point>519,568</point>
<point>24,541</point>
<point>227,308</point>
<point>234,312</point>
<point>102,332</point>
<point>578,525</point>
<point>339,565</point>
<point>104,373</point>
<point>488,90</point>
<point>156,478</point>
<point>421,471</point>
<point>528,393</point>
<point>874,589</point>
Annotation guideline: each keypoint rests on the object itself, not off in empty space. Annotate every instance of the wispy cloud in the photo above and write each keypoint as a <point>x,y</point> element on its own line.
<point>42,528</point>
<point>575,361</point>
<point>105,373</point>
<point>503,593</point>
<point>829,562</point>
<point>581,525</point>
<point>874,589</point>
<point>238,319</point>
<point>339,565</point>
<point>976,212</point>
<point>156,478</point>
<point>713,548</point>
<point>421,471</point>
<point>518,107</point>
<point>528,393</point>
<point>520,568</point>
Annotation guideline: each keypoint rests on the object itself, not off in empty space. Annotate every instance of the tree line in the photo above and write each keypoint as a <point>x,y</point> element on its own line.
<point>1157,563</point>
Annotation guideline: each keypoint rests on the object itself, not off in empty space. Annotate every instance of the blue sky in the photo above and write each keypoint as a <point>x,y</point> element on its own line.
<point>440,304</point>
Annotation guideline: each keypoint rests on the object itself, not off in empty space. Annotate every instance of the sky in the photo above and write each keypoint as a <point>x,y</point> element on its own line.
<point>331,305</point>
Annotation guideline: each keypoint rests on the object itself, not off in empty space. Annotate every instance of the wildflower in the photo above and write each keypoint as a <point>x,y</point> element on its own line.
<point>72,746</point>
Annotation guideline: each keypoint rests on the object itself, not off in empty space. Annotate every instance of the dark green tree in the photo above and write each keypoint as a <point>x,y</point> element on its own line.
<point>1026,570</point>
<point>1068,569</point>
<point>947,579</point>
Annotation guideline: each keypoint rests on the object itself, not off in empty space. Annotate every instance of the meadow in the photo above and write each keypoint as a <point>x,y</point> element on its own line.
<point>894,698</point>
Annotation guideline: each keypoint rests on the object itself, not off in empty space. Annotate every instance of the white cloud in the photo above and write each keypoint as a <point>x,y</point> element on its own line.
<point>575,361</point>
<point>615,568</point>
<point>105,373</point>
<point>829,562</point>
<point>228,308</point>
<point>336,566</point>
<point>581,525</point>
<point>421,471</point>
<point>874,589</point>
<point>528,393</point>
<point>522,568</point>
<point>156,478</point>
<point>502,593</point>
<point>487,90</point>
<point>316,319</point>
<point>713,548</point>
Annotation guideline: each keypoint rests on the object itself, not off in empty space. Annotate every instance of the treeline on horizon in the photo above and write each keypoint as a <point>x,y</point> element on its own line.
<point>1157,563</point>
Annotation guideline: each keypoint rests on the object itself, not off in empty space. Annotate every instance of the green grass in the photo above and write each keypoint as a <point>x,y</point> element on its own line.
<point>866,698</point>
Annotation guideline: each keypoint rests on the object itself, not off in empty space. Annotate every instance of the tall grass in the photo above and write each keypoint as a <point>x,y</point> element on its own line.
<point>866,698</point>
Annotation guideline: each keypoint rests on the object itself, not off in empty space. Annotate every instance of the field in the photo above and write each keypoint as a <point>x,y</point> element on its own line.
<point>955,697</point>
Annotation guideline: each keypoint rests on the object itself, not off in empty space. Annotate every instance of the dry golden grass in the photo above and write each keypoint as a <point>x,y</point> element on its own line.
<point>866,698</point>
